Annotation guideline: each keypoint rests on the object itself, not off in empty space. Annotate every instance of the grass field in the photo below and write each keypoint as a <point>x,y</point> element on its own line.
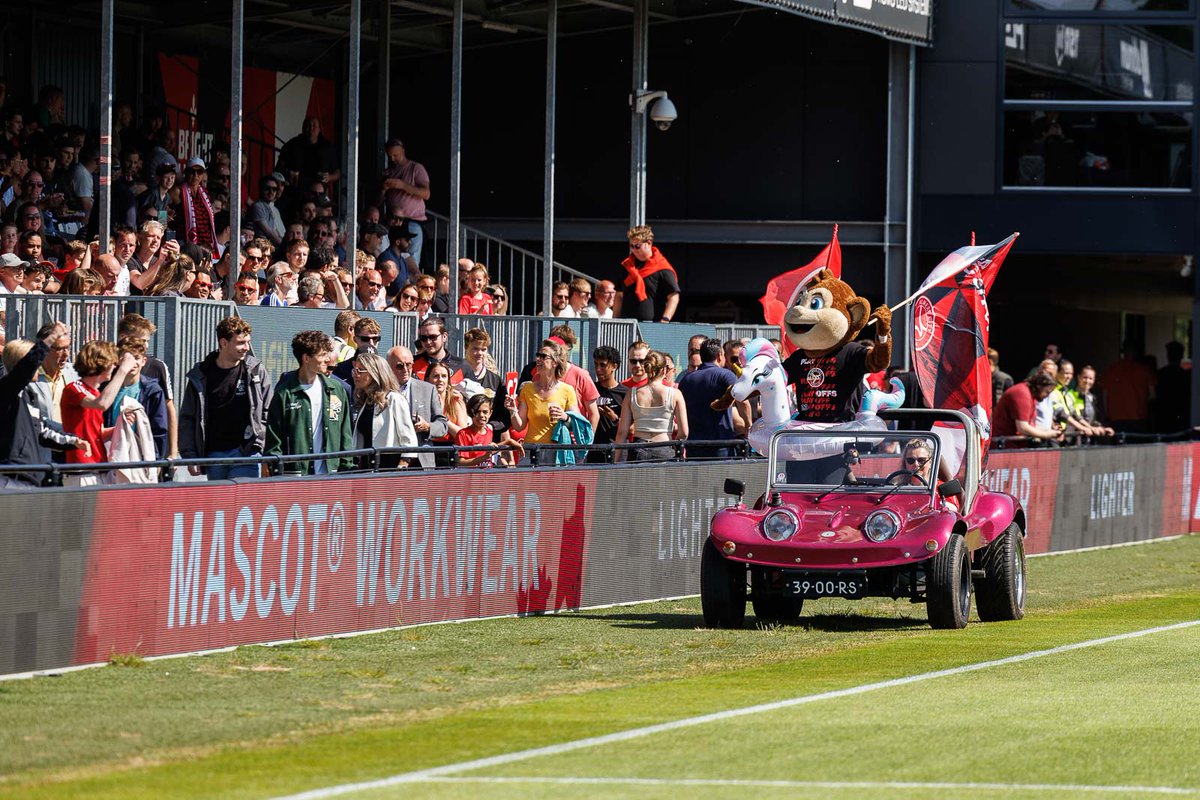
<point>1113,719</point>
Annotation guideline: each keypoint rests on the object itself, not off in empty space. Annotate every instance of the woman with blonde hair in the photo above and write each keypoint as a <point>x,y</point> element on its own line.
<point>546,399</point>
<point>453,406</point>
<point>652,412</point>
<point>82,281</point>
<point>499,299</point>
<point>382,415</point>
<point>174,277</point>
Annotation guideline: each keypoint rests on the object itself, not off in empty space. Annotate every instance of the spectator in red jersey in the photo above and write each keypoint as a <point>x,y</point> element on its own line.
<point>480,432</point>
<point>84,404</point>
<point>475,300</point>
<point>1017,410</point>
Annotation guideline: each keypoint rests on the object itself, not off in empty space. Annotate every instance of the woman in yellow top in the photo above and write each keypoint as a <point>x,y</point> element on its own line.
<point>546,399</point>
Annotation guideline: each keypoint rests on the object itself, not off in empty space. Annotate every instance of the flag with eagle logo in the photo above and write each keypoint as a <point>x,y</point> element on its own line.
<point>783,289</point>
<point>950,333</point>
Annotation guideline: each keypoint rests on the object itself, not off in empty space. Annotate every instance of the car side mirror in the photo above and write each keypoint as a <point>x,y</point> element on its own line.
<point>735,487</point>
<point>950,488</point>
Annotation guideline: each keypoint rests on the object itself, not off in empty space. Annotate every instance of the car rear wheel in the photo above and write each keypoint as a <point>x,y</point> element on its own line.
<point>948,586</point>
<point>1000,594</point>
<point>722,589</point>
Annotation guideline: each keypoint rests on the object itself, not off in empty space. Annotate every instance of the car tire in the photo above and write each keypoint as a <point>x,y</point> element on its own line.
<point>1000,594</point>
<point>777,609</point>
<point>948,586</point>
<point>722,589</point>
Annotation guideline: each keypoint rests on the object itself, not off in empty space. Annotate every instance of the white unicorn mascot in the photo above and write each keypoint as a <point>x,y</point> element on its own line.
<point>764,375</point>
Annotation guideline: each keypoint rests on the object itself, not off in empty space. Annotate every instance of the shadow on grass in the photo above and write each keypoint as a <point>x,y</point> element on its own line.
<point>817,622</point>
<point>856,622</point>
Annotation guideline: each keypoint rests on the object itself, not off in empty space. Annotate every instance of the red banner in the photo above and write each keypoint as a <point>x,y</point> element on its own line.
<point>1181,490</point>
<point>1031,476</point>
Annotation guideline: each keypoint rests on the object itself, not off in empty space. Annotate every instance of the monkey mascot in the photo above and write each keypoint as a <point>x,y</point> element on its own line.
<point>828,366</point>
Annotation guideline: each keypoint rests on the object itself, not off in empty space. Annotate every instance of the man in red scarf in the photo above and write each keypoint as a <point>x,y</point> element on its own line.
<point>649,288</point>
<point>196,220</point>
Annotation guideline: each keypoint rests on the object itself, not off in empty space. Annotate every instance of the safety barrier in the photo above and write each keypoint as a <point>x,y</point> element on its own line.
<point>158,570</point>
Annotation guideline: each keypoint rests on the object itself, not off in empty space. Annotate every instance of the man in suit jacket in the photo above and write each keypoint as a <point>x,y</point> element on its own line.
<point>428,418</point>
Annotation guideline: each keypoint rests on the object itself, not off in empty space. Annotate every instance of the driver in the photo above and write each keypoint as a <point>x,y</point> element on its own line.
<point>916,461</point>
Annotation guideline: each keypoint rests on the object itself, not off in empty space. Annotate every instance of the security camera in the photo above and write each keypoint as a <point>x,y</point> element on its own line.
<point>663,113</point>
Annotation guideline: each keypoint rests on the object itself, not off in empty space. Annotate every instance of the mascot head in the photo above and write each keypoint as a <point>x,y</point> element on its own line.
<point>826,315</point>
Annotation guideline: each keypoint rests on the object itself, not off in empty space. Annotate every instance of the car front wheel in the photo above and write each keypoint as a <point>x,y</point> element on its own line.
<point>722,589</point>
<point>1000,594</point>
<point>948,586</point>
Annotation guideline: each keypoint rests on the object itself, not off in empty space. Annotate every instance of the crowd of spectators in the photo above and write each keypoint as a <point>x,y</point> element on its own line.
<point>170,227</point>
<point>1055,404</point>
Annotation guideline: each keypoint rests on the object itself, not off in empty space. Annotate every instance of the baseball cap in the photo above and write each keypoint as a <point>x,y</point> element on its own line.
<point>393,142</point>
<point>12,260</point>
<point>196,161</point>
<point>278,176</point>
<point>375,228</point>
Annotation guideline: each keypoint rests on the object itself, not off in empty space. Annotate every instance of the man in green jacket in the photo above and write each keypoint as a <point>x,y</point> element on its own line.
<point>309,412</point>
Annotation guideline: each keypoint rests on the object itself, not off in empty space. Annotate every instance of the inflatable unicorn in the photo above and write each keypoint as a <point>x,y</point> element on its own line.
<point>763,375</point>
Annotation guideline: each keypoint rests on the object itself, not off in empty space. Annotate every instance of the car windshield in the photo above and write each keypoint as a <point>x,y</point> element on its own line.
<point>858,461</point>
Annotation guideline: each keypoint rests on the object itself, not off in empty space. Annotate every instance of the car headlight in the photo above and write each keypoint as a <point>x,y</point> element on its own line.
<point>779,525</point>
<point>881,525</point>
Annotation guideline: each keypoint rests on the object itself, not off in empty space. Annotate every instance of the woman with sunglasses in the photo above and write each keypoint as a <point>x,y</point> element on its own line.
<point>382,415</point>
<point>653,412</point>
<point>407,299</point>
<point>546,399</point>
<point>499,299</point>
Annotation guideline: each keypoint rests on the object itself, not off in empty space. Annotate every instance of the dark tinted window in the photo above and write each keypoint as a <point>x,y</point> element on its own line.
<point>1146,149</point>
<point>1111,6</point>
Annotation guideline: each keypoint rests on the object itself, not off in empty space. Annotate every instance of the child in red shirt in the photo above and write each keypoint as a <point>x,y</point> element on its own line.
<point>476,301</point>
<point>479,407</point>
<point>84,404</point>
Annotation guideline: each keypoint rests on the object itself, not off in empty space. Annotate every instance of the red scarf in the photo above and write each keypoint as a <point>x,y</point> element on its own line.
<point>636,276</point>
<point>198,231</point>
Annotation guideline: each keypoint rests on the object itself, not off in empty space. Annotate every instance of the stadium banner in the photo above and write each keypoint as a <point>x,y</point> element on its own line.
<point>159,570</point>
<point>1032,477</point>
<point>177,569</point>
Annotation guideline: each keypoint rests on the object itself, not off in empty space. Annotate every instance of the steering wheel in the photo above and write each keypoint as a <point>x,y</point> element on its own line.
<point>905,473</point>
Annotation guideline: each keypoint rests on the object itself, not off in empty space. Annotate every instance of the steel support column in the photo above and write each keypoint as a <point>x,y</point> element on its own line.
<point>235,148</point>
<point>350,161</point>
<point>637,128</point>
<point>547,282</point>
<point>897,228</point>
<point>104,213</point>
<point>454,233</point>
<point>383,102</point>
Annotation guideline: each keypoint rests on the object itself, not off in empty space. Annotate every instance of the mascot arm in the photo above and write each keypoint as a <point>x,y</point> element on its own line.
<point>880,356</point>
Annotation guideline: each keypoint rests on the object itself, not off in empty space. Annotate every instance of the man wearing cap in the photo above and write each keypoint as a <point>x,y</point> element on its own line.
<point>404,192</point>
<point>370,240</point>
<point>399,252</point>
<point>12,272</point>
<point>195,220</point>
<point>263,216</point>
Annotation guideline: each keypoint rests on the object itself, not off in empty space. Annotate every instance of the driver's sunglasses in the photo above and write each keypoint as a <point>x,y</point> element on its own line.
<point>913,460</point>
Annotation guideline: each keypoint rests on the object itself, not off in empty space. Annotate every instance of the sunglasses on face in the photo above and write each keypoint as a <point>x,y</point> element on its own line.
<point>247,289</point>
<point>497,297</point>
<point>402,365</point>
<point>545,357</point>
<point>367,338</point>
<point>345,284</point>
<point>913,460</point>
<point>408,296</point>
<point>585,294</point>
<point>560,297</point>
<point>376,284</point>
<point>636,361</point>
<point>203,284</point>
<point>428,337</point>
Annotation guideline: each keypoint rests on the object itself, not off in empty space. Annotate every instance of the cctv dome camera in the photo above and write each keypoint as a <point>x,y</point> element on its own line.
<point>663,113</point>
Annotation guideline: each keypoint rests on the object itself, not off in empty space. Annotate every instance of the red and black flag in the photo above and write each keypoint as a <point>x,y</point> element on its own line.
<point>782,290</point>
<point>950,332</point>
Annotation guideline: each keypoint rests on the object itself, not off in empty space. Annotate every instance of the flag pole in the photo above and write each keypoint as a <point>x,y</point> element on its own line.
<point>924,289</point>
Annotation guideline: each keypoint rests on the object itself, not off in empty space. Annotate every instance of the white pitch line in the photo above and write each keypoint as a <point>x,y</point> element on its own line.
<point>690,722</point>
<point>868,785</point>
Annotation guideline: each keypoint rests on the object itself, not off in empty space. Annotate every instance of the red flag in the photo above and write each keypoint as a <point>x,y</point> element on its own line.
<point>783,289</point>
<point>950,332</point>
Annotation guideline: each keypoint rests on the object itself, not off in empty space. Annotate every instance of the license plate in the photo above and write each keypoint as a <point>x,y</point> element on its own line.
<point>825,585</point>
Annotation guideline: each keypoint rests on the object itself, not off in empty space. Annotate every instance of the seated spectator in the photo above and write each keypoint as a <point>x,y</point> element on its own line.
<point>309,413</point>
<point>605,297</point>
<point>546,399</point>
<point>202,286</point>
<point>382,415</point>
<point>157,199</point>
<point>245,291</point>
<point>8,238</point>
<point>368,295</point>
<point>282,280</point>
<point>560,297</point>
<point>83,282</point>
<point>174,278</point>
<point>406,299</point>
<point>499,299</point>
<point>146,394</point>
<point>296,253</point>
<point>311,292</point>
<point>37,276</point>
<point>579,295</point>
<point>441,295</point>
<point>84,404</point>
<point>476,300</point>
<point>12,274</point>
<point>263,216</point>
<point>1016,413</point>
<point>224,410</point>
<point>480,432</point>
<point>653,412</point>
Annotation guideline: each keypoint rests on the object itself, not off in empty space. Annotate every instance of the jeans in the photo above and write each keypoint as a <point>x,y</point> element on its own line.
<point>221,472</point>
<point>417,240</point>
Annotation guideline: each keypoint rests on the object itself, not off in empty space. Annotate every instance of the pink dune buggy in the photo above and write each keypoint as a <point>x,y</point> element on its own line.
<point>869,513</point>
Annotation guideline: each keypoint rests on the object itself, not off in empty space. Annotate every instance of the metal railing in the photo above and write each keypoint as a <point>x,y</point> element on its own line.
<point>517,269</point>
<point>728,332</point>
<point>186,327</point>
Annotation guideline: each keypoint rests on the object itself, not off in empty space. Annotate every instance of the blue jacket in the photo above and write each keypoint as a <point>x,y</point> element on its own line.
<point>574,429</point>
